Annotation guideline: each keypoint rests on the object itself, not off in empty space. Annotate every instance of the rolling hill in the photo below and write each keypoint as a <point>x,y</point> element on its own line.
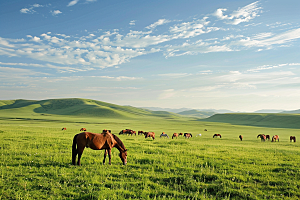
<point>77,107</point>
<point>277,120</point>
<point>197,113</point>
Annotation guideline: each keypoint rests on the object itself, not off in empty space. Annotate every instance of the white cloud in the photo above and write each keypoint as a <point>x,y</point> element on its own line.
<point>132,23</point>
<point>56,12</point>
<point>244,14</point>
<point>271,39</point>
<point>72,3</point>
<point>158,23</point>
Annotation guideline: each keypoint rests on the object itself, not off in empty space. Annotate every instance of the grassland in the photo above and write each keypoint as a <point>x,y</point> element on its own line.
<point>35,161</point>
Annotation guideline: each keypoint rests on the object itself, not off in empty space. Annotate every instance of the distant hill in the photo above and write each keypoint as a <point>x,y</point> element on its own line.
<point>292,112</point>
<point>179,110</point>
<point>268,111</point>
<point>79,107</point>
<point>197,113</point>
<point>253,119</point>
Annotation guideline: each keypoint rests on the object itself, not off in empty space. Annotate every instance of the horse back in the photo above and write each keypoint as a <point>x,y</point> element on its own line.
<point>95,141</point>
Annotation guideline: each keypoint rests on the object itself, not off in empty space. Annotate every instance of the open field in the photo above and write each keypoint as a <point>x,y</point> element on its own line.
<point>35,161</point>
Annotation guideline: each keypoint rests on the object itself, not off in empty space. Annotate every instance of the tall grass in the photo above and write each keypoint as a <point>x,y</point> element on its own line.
<point>35,162</point>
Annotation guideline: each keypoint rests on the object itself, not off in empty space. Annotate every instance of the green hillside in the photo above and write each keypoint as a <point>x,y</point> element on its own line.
<point>253,119</point>
<point>75,107</point>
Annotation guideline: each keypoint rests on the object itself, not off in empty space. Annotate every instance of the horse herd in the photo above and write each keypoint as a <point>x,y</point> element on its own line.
<point>152,134</point>
<point>106,141</point>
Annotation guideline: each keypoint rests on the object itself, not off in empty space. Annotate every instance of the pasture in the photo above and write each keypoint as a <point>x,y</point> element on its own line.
<point>35,161</point>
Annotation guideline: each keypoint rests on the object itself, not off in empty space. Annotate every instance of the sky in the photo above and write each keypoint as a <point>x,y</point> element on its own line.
<point>240,55</point>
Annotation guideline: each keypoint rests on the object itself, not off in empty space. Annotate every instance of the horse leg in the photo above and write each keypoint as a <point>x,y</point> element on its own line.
<point>109,156</point>
<point>79,151</point>
<point>105,153</point>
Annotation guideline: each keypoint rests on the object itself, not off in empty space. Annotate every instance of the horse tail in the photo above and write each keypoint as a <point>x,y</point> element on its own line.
<point>74,149</point>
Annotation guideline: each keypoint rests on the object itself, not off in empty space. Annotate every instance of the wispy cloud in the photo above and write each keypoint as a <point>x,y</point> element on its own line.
<point>56,12</point>
<point>72,3</point>
<point>244,14</point>
<point>30,9</point>
<point>158,23</point>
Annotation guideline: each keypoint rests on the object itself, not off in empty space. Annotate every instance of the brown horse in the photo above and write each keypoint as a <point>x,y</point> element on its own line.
<point>268,137</point>
<point>180,134</point>
<point>149,134</point>
<point>292,138</point>
<point>188,135</point>
<point>241,137</point>
<point>140,132</point>
<point>63,129</point>
<point>274,138</point>
<point>262,137</point>
<point>127,132</point>
<point>175,135</point>
<point>217,134</point>
<point>95,141</point>
<point>83,129</point>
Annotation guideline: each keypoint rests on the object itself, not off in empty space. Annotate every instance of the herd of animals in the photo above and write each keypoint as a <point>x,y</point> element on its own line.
<point>106,141</point>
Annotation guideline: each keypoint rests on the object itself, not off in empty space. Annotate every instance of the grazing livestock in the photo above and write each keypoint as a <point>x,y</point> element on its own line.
<point>63,129</point>
<point>205,129</point>
<point>262,137</point>
<point>95,141</point>
<point>150,134</point>
<point>83,129</point>
<point>274,138</point>
<point>188,135</point>
<point>180,134</point>
<point>175,135</point>
<point>127,132</point>
<point>140,132</point>
<point>163,134</point>
<point>217,135</point>
<point>268,137</point>
<point>241,137</point>
<point>292,138</point>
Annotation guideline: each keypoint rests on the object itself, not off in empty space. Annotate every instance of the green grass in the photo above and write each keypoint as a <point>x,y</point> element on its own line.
<point>35,156</point>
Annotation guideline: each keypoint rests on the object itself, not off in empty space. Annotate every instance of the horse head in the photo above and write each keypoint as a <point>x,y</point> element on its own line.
<point>123,156</point>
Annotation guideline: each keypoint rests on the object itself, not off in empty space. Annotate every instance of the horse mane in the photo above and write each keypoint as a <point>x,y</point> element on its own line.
<point>119,141</point>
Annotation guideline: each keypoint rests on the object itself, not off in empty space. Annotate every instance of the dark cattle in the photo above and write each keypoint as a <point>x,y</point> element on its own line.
<point>292,138</point>
<point>188,135</point>
<point>241,137</point>
<point>95,141</point>
<point>217,135</point>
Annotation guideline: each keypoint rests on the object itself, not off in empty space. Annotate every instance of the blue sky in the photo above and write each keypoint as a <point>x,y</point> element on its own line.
<point>239,55</point>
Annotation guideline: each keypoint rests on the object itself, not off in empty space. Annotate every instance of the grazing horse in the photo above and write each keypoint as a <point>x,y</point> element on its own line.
<point>180,134</point>
<point>292,138</point>
<point>150,134</point>
<point>97,141</point>
<point>140,132</point>
<point>274,138</point>
<point>205,129</point>
<point>127,132</point>
<point>262,137</point>
<point>175,135</point>
<point>217,134</point>
<point>63,129</point>
<point>268,137</point>
<point>163,134</point>
<point>241,137</point>
<point>83,129</point>
<point>188,135</point>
